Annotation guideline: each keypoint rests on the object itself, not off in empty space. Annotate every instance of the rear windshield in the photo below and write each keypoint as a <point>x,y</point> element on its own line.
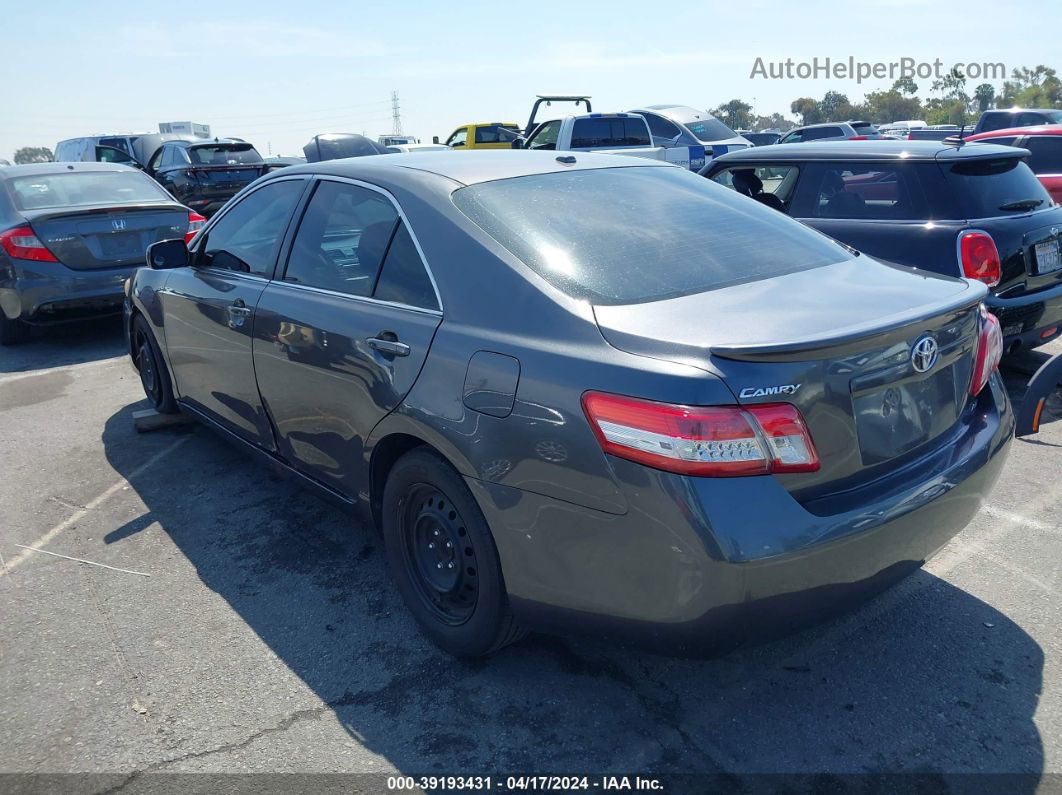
<point>81,188</point>
<point>1000,186</point>
<point>609,132</point>
<point>488,134</point>
<point>628,235</point>
<point>223,155</point>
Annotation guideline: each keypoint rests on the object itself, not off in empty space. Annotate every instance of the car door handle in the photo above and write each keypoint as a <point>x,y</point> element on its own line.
<point>238,312</point>
<point>390,347</point>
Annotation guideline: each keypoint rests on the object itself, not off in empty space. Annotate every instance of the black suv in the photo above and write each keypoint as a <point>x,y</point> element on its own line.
<point>204,175</point>
<point>1016,117</point>
<point>973,210</point>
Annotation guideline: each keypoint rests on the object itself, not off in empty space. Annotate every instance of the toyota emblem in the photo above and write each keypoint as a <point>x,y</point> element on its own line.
<point>924,354</point>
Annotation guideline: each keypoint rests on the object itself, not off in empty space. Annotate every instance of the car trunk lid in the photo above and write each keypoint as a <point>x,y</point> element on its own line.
<point>106,237</point>
<point>837,342</point>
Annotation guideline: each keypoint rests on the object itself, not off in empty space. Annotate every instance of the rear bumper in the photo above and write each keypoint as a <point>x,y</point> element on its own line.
<point>1024,317</point>
<point>701,564</point>
<point>49,292</point>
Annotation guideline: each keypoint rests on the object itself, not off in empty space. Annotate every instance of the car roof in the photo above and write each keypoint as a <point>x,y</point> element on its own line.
<point>861,151</point>
<point>467,168</point>
<point>824,124</point>
<point>29,169</point>
<point>1036,129</point>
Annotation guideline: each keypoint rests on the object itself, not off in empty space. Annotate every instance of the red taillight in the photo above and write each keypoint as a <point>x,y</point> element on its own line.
<point>980,258</point>
<point>21,243</point>
<point>195,223</point>
<point>989,351</point>
<point>858,138</point>
<point>720,441</point>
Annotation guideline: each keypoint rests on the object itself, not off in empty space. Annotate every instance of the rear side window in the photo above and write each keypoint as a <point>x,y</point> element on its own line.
<point>815,133</point>
<point>246,238</point>
<point>223,155</point>
<point>80,188</point>
<point>634,234</point>
<point>488,134</point>
<point>608,132</point>
<point>342,239</point>
<point>1004,141</point>
<point>1000,186</point>
<point>1046,155</point>
<point>858,191</point>
<point>404,279</point>
<point>661,127</point>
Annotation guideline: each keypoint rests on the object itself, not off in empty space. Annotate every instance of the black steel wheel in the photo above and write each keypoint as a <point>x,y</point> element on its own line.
<point>443,558</point>
<point>153,375</point>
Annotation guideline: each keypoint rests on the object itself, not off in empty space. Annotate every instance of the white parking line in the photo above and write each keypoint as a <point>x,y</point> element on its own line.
<point>90,506</point>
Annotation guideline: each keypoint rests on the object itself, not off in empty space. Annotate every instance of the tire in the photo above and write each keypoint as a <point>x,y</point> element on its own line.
<point>443,559</point>
<point>12,332</point>
<point>153,374</point>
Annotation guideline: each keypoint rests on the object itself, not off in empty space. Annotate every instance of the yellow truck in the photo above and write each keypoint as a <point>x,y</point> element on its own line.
<point>482,135</point>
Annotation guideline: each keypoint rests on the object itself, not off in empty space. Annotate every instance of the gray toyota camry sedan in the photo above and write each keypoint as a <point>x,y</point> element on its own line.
<point>583,392</point>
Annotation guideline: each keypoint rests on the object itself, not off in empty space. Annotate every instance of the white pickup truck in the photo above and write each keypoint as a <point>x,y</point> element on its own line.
<point>612,133</point>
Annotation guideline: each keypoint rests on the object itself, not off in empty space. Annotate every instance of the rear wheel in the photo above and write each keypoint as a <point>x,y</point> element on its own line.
<point>443,558</point>
<point>153,375</point>
<point>12,332</point>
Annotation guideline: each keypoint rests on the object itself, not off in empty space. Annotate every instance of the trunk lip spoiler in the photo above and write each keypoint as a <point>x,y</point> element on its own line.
<point>856,334</point>
<point>51,213</point>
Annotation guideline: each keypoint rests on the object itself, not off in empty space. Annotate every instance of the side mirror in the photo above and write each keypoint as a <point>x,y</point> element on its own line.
<point>166,254</point>
<point>435,139</point>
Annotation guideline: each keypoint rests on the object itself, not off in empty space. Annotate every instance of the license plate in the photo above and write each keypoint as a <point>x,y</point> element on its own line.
<point>119,245</point>
<point>1012,329</point>
<point>1048,257</point>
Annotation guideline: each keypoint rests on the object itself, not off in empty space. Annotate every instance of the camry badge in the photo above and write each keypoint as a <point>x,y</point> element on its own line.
<point>924,354</point>
<point>762,391</point>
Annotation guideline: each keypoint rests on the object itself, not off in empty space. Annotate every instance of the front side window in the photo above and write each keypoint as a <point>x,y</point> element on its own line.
<point>759,182</point>
<point>108,154</point>
<point>661,127</point>
<point>792,137</point>
<point>852,190</point>
<point>81,188</point>
<point>643,233</point>
<point>815,133</point>
<point>342,239</point>
<point>458,137</point>
<point>996,121</point>
<point>545,137</point>
<point>247,237</point>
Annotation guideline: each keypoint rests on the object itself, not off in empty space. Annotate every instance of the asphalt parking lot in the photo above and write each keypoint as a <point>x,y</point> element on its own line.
<point>268,637</point>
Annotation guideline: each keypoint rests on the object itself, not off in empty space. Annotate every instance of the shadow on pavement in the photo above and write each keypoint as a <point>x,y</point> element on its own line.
<point>70,343</point>
<point>927,678</point>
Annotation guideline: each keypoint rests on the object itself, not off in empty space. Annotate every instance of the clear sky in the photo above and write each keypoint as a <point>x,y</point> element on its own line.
<point>277,73</point>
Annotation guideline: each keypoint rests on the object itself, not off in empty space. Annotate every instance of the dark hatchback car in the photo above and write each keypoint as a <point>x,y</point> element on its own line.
<point>205,174</point>
<point>71,234</point>
<point>583,392</point>
<point>966,210</point>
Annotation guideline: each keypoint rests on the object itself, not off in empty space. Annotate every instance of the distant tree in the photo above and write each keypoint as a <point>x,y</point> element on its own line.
<point>905,85</point>
<point>33,154</point>
<point>807,109</point>
<point>776,121</point>
<point>983,96</point>
<point>835,106</point>
<point>880,107</point>
<point>735,114</point>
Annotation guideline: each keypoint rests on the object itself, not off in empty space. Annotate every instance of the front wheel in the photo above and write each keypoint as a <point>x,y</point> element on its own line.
<point>153,375</point>
<point>442,556</point>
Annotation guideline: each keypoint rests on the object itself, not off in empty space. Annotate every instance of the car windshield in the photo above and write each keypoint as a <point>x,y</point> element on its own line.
<point>998,186</point>
<point>223,155</point>
<point>709,129</point>
<point>634,234</point>
<point>81,188</point>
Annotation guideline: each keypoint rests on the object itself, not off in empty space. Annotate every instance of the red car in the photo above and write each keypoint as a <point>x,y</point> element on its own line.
<point>1044,141</point>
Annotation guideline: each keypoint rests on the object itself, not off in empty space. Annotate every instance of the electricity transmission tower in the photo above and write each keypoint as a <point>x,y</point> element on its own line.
<point>396,117</point>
